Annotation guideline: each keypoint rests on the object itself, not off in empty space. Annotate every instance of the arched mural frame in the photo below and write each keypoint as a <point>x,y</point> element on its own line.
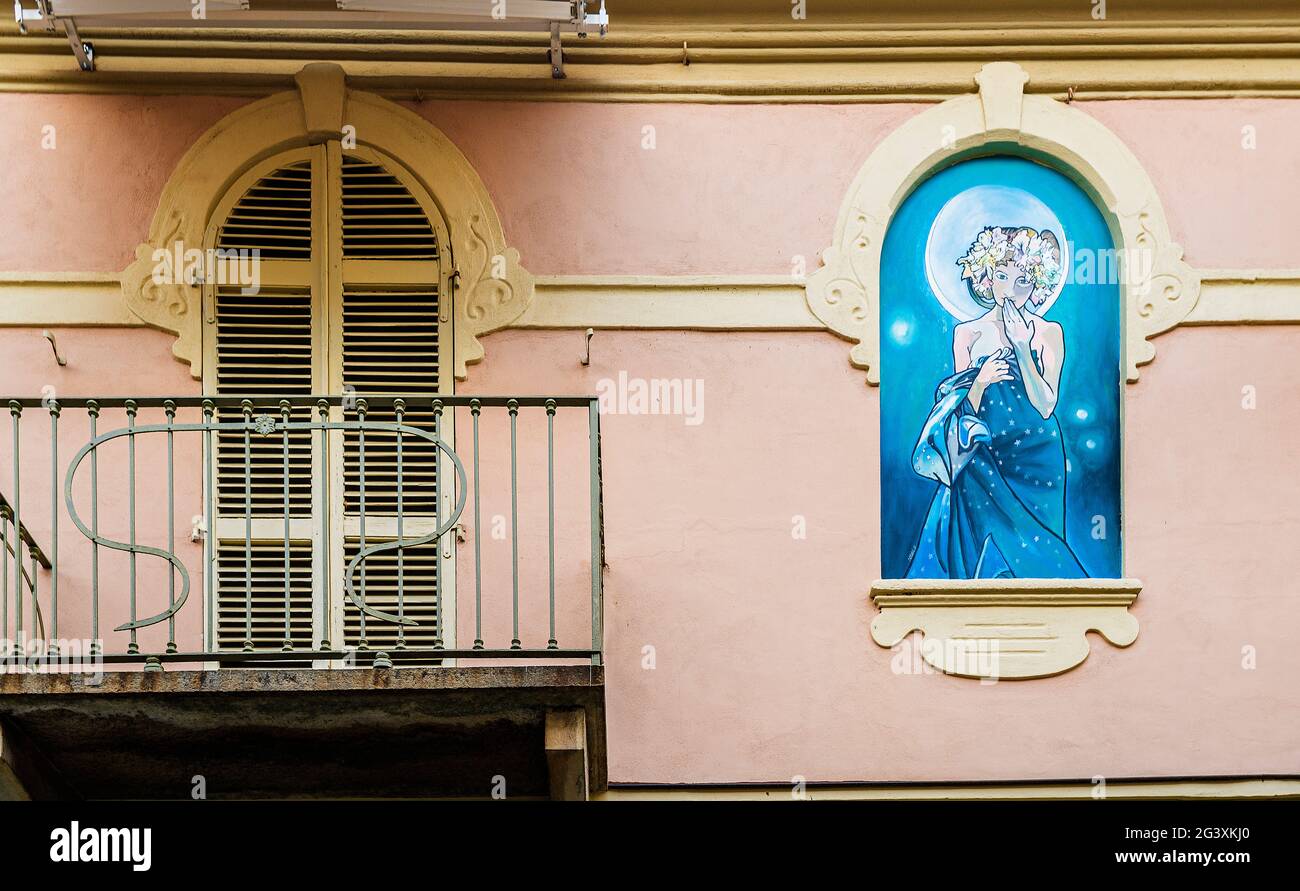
<point>1158,289</point>
<point>492,288</point>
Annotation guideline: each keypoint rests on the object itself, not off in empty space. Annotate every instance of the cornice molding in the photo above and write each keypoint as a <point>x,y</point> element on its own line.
<point>817,61</point>
<point>646,302</point>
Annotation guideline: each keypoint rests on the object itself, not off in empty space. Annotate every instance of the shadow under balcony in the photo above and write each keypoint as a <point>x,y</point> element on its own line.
<point>285,733</point>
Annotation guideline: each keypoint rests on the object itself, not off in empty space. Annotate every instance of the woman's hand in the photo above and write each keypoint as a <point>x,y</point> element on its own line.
<point>994,370</point>
<point>1019,329</point>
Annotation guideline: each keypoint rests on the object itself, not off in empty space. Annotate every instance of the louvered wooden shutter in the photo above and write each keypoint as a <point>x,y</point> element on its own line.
<point>381,218</point>
<point>274,216</point>
<point>390,348</point>
<point>268,595</point>
<point>350,301</point>
<point>420,572</point>
<point>264,350</point>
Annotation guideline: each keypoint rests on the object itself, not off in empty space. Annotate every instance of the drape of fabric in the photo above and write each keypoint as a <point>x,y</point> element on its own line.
<point>999,506</point>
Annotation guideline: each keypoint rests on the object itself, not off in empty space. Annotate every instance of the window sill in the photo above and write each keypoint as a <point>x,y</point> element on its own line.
<point>1003,629</point>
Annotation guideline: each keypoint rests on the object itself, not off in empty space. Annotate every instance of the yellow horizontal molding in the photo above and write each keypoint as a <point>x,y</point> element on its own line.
<point>998,592</point>
<point>44,300</point>
<point>806,62</point>
<point>705,302</point>
<point>1247,298</point>
<point>1247,787</point>
<point>684,302</point>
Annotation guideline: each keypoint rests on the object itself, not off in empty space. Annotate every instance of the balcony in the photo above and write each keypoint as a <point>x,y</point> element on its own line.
<point>342,594</point>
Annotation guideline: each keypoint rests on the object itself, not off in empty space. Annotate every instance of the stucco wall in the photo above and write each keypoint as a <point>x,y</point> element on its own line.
<point>764,668</point>
<point>727,188</point>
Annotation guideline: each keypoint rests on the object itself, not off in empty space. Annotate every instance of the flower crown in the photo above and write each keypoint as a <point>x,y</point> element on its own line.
<point>1037,255</point>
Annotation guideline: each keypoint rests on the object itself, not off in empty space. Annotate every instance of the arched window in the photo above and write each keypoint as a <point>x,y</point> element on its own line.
<point>344,288</point>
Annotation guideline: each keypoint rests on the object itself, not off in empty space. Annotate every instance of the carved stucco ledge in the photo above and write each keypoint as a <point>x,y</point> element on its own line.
<point>1004,628</point>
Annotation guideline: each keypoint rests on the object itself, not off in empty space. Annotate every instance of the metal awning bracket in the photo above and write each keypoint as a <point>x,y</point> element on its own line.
<point>85,52</point>
<point>553,16</point>
<point>556,53</point>
<point>44,19</point>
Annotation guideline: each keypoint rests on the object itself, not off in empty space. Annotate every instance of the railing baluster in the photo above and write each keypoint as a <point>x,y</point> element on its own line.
<point>361,506</point>
<point>399,407</point>
<point>210,538</point>
<point>131,408</point>
<point>54,528</point>
<point>475,407</point>
<point>593,459</point>
<point>16,414</point>
<point>38,624</point>
<point>285,405</point>
<point>169,408</point>
<point>96,649</point>
<point>437,521</point>
<point>247,407</point>
<point>513,406</point>
<point>320,598</point>
<point>4,577</point>
<point>551,644</point>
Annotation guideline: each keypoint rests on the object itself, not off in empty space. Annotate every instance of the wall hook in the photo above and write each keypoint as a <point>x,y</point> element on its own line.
<point>686,54</point>
<point>1069,95</point>
<point>54,346</point>
<point>586,360</point>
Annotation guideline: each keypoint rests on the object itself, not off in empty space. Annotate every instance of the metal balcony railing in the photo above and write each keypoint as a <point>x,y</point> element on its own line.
<point>14,540</point>
<point>302,554</point>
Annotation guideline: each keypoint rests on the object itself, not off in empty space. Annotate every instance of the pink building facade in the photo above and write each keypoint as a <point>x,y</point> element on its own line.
<point>744,634</point>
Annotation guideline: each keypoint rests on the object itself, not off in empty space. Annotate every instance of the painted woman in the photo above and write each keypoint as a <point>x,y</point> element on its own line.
<point>992,441</point>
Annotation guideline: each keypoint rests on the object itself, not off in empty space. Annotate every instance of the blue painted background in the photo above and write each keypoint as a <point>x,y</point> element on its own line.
<point>916,354</point>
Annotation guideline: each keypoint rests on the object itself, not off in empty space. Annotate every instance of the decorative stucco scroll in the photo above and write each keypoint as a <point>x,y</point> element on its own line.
<point>1004,629</point>
<point>492,289</point>
<point>1158,288</point>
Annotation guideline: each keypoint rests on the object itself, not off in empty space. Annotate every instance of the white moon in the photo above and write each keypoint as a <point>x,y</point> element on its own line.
<point>961,220</point>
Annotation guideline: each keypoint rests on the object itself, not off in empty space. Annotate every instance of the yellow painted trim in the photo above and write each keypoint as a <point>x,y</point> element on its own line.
<point>1247,297</point>
<point>861,57</point>
<point>706,302</point>
<point>45,299</point>
<point>1120,789</point>
<point>685,302</point>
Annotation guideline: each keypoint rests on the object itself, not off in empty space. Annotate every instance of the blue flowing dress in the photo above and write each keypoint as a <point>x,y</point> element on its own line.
<point>999,508</point>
